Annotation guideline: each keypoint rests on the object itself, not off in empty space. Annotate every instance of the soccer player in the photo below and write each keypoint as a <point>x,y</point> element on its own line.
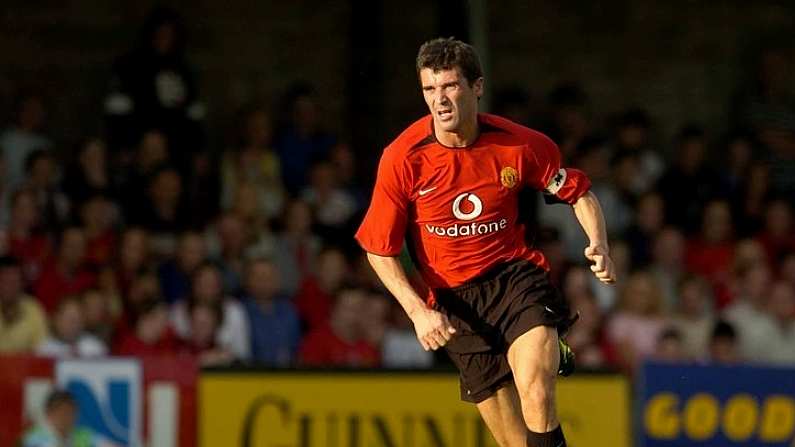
<point>449,183</point>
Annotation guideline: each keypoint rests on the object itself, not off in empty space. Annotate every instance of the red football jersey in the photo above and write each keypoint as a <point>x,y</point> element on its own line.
<point>459,206</point>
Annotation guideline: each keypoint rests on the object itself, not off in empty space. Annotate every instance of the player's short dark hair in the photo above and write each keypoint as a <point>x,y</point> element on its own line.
<point>447,54</point>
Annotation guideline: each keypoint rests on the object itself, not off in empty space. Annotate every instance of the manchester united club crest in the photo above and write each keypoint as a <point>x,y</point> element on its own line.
<point>509,177</point>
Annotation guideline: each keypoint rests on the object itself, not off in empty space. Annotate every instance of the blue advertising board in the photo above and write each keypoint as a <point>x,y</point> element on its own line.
<point>695,405</point>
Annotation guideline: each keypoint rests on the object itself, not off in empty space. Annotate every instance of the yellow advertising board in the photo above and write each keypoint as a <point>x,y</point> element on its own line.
<point>334,409</point>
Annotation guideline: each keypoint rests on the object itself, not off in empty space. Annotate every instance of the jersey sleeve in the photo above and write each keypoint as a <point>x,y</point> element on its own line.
<point>559,185</point>
<point>384,226</point>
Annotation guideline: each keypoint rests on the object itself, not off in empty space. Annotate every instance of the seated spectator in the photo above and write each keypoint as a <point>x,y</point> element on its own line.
<point>694,317</point>
<point>97,215</point>
<point>638,322</point>
<point>778,235</point>
<point>23,324</point>
<point>632,136</point>
<point>724,347</point>
<point>227,245</point>
<point>400,347</point>
<point>749,311</point>
<point>42,180</point>
<point>133,257</point>
<point>668,263</point>
<point>89,175</point>
<point>24,136</point>
<point>175,273</point>
<point>375,318</point>
<point>163,215</point>
<point>100,312</point>
<point>296,246</point>
<point>135,170</point>
<point>65,273</point>
<point>587,337</point>
<point>26,241</point>
<point>343,159</point>
<point>205,320</point>
<point>649,220</point>
<point>342,342</point>
<point>670,347</point>
<point>151,334</point>
<point>68,337</point>
<point>781,307</point>
<point>207,287</point>
<point>59,426</point>
<point>710,254</point>
<point>332,205</point>
<point>316,294</point>
<point>254,163</point>
<point>275,330</point>
<point>689,182</point>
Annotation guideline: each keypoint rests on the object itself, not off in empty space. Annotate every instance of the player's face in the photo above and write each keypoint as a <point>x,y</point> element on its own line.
<point>451,100</point>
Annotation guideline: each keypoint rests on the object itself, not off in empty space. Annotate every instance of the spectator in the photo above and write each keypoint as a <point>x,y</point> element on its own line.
<point>300,141</point>
<point>689,183</point>
<point>229,243</point>
<point>296,246</point>
<point>133,257</point>
<point>375,318</point>
<point>134,174</point>
<point>342,342</point>
<point>97,215</point>
<point>787,271</point>
<point>781,308</point>
<point>275,330</point>
<point>175,273</point>
<point>164,214</point>
<point>649,220</point>
<point>26,241</point>
<point>694,317</point>
<point>316,294</point>
<point>68,337</point>
<point>23,137</point>
<point>711,252</point>
<point>638,322</point>
<point>23,324</point>
<point>42,181</point>
<point>587,338</point>
<point>632,136</point>
<point>205,321</point>
<point>571,124</point>
<point>154,87</point>
<point>332,205</point>
<point>65,273</point>
<point>670,347</point>
<point>207,287</point>
<point>778,235</point>
<point>343,160</point>
<point>100,312</point>
<point>254,162</point>
<point>151,334</point>
<point>748,313</point>
<point>89,175</point>
<point>724,347</point>
<point>59,426</point>
<point>400,347</point>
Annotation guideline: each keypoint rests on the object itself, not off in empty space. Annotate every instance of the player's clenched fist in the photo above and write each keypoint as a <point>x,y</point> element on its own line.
<point>433,328</point>
<point>602,266</point>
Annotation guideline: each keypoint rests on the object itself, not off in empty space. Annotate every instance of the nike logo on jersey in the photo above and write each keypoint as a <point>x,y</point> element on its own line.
<point>422,192</point>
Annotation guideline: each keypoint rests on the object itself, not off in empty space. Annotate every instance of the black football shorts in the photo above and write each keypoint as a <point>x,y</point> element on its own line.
<point>492,311</point>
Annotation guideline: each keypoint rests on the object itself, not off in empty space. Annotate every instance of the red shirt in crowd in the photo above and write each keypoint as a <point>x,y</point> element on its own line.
<point>32,252</point>
<point>459,206</point>
<point>313,303</point>
<point>100,249</point>
<point>53,285</point>
<point>322,347</point>
<point>130,345</point>
<point>713,262</point>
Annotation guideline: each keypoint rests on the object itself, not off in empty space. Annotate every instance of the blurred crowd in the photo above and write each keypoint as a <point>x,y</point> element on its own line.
<point>145,240</point>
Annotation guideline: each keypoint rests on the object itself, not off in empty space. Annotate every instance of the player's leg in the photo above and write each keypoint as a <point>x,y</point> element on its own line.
<point>502,413</point>
<point>534,358</point>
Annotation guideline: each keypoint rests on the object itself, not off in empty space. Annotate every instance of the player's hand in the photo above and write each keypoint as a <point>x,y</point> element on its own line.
<point>603,267</point>
<point>433,329</point>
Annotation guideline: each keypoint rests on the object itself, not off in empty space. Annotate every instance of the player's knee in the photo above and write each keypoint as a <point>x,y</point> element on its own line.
<point>536,388</point>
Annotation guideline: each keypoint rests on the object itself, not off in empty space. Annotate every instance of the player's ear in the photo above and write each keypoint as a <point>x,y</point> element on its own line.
<point>477,86</point>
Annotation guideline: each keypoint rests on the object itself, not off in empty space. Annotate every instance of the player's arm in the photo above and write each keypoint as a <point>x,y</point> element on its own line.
<point>589,214</point>
<point>433,328</point>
